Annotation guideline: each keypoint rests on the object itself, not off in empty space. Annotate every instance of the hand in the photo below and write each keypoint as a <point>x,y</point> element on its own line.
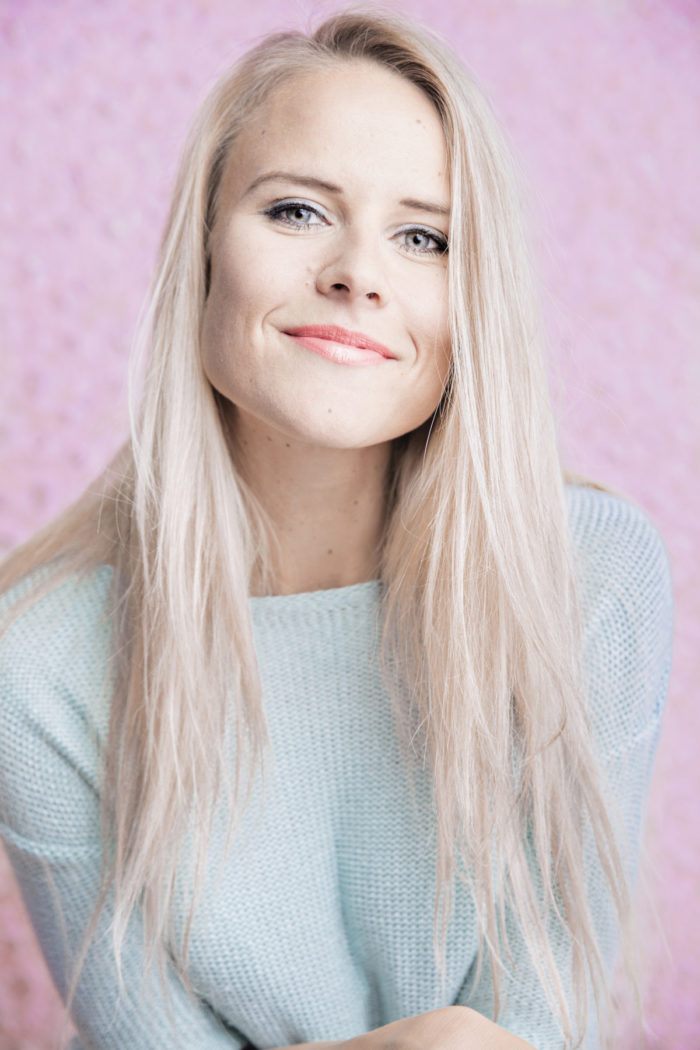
<point>448,1028</point>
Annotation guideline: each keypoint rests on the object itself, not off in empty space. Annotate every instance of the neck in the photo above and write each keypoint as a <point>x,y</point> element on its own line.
<point>327,506</point>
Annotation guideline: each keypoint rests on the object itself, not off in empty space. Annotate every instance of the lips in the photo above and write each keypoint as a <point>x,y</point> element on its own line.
<point>334,334</point>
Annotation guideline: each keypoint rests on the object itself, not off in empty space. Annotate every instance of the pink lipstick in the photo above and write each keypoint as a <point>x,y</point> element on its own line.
<point>341,345</point>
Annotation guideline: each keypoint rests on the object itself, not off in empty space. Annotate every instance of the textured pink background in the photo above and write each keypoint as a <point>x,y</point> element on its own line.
<point>602,104</point>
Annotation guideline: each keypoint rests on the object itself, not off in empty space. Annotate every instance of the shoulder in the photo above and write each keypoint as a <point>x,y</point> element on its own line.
<point>63,602</point>
<point>626,597</point>
<point>609,530</point>
<point>50,620</point>
<point>620,558</point>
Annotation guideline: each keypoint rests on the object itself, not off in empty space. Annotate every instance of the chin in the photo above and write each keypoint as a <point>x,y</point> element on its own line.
<point>332,432</point>
<point>330,438</point>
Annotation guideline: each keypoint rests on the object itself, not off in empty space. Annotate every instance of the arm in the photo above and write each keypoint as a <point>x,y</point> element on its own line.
<point>627,609</point>
<point>58,889</point>
<point>447,1028</point>
<point>49,821</point>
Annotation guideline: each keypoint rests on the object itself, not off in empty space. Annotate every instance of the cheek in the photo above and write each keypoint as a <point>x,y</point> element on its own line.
<point>432,387</point>
<point>220,340</point>
<point>431,331</point>
<point>227,313</point>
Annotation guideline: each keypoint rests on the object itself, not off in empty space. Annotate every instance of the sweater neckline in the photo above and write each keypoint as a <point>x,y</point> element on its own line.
<point>354,595</point>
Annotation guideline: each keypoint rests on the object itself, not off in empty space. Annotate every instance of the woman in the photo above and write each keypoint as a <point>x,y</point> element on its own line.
<point>339,539</point>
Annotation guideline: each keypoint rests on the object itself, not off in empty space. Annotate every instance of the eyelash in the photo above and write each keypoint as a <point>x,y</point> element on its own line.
<point>275,212</point>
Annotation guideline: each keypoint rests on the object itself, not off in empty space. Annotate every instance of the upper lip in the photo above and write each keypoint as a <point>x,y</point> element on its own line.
<point>341,335</point>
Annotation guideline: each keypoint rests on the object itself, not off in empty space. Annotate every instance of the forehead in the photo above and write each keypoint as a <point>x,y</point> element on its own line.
<point>357,124</point>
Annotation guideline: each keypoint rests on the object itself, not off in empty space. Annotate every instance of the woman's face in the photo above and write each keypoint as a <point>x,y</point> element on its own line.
<point>333,215</point>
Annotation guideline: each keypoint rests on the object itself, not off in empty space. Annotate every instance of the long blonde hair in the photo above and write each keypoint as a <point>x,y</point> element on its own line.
<point>481,608</point>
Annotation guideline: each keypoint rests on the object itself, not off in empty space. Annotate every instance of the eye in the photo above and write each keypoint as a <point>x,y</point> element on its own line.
<point>420,238</point>
<point>294,213</point>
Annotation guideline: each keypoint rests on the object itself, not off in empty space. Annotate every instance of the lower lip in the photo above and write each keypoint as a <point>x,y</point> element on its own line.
<point>341,353</point>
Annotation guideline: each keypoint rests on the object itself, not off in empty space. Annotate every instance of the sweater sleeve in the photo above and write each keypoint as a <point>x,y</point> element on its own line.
<point>52,668</point>
<point>627,605</point>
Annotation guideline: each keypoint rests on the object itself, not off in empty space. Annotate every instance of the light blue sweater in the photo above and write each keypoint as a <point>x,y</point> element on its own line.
<point>321,927</point>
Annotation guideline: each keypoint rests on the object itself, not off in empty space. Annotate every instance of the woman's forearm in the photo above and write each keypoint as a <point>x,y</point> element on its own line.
<point>310,1046</point>
<point>447,1028</point>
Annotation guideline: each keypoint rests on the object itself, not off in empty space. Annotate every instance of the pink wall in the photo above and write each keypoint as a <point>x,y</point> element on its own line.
<point>602,102</point>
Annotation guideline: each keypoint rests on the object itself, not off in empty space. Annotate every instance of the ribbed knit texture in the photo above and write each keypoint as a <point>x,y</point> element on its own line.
<point>321,925</point>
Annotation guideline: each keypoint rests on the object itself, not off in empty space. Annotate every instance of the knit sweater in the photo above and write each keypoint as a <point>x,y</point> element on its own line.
<point>321,926</point>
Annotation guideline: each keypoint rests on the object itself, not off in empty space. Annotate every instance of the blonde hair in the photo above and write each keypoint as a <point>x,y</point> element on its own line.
<point>480,606</point>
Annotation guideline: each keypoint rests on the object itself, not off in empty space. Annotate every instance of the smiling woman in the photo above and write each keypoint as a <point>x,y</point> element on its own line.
<point>325,280</point>
<point>339,538</point>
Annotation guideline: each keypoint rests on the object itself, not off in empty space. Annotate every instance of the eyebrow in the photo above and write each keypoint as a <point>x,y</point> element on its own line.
<point>321,184</point>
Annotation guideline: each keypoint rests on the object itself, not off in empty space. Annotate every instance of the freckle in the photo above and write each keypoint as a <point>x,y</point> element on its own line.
<point>269,438</point>
<point>355,502</point>
<point>329,411</point>
<point>286,444</point>
<point>330,550</point>
<point>19,987</point>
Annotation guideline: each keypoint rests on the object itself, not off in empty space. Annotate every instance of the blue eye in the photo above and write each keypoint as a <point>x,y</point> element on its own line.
<point>439,242</point>
<point>292,213</point>
<point>298,214</point>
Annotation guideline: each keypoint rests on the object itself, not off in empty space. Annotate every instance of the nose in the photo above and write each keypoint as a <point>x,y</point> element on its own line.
<point>353,271</point>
